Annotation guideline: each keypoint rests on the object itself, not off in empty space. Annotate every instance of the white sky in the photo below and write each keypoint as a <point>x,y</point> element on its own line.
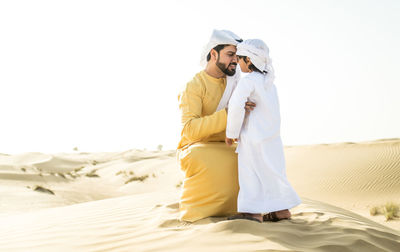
<point>104,75</point>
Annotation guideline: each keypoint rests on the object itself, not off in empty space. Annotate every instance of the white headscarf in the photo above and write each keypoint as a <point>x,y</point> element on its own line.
<point>219,37</point>
<point>258,52</point>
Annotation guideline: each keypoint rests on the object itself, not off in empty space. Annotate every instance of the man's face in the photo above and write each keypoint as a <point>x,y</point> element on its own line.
<point>227,60</point>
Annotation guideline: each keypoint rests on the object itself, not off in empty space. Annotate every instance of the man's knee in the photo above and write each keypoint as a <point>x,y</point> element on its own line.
<point>208,158</point>
<point>191,160</point>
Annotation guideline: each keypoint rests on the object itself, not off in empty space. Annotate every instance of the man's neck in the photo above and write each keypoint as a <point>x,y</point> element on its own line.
<point>214,71</point>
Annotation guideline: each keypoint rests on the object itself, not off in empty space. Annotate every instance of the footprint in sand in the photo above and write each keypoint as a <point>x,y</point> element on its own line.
<point>173,205</point>
<point>170,223</point>
<point>43,190</point>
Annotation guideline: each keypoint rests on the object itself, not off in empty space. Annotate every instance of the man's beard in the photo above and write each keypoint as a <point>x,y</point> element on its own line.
<point>225,69</point>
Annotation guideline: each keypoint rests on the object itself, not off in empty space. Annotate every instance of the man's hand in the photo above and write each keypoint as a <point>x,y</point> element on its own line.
<point>230,141</point>
<point>249,106</point>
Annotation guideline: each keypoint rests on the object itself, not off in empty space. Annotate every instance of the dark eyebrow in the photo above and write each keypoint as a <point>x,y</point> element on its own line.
<point>231,52</point>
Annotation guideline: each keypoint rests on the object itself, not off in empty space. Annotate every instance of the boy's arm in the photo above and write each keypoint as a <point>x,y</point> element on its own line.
<point>196,127</point>
<point>236,110</point>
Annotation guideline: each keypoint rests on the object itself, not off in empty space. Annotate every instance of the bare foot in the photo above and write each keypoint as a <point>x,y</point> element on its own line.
<point>283,214</point>
<point>257,216</point>
<point>248,216</point>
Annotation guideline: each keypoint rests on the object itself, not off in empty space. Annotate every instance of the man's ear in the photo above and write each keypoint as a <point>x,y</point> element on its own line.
<point>214,54</point>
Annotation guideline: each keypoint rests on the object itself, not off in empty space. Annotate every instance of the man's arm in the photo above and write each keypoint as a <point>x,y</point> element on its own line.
<point>196,127</point>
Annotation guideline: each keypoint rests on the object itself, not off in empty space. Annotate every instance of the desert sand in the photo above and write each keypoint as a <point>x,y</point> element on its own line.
<point>128,201</point>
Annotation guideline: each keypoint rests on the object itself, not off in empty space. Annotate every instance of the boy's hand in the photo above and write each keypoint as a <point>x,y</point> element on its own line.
<point>249,106</point>
<point>230,141</point>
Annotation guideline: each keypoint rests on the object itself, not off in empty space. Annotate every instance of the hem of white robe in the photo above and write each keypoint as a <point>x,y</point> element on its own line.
<point>273,205</point>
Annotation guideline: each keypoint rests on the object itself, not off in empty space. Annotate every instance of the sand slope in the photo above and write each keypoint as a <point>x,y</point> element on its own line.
<point>94,209</point>
<point>134,223</point>
<point>354,176</point>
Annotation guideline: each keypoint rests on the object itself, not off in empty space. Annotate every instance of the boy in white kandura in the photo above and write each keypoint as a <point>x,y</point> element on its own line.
<point>264,187</point>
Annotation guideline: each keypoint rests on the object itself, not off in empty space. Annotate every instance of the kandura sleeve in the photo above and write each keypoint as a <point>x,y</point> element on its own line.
<point>196,127</point>
<point>236,110</point>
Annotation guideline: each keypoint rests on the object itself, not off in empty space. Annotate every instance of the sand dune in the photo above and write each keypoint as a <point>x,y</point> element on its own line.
<point>354,176</point>
<point>128,201</point>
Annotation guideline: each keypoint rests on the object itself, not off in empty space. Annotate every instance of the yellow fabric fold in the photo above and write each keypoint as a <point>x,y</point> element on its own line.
<point>210,187</point>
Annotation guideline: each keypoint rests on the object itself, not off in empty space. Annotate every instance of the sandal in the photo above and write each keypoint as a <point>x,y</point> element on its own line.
<point>244,216</point>
<point>272,217</point>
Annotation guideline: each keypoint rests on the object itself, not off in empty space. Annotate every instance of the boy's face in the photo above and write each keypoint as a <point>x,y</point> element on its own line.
<point>244,66</point>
